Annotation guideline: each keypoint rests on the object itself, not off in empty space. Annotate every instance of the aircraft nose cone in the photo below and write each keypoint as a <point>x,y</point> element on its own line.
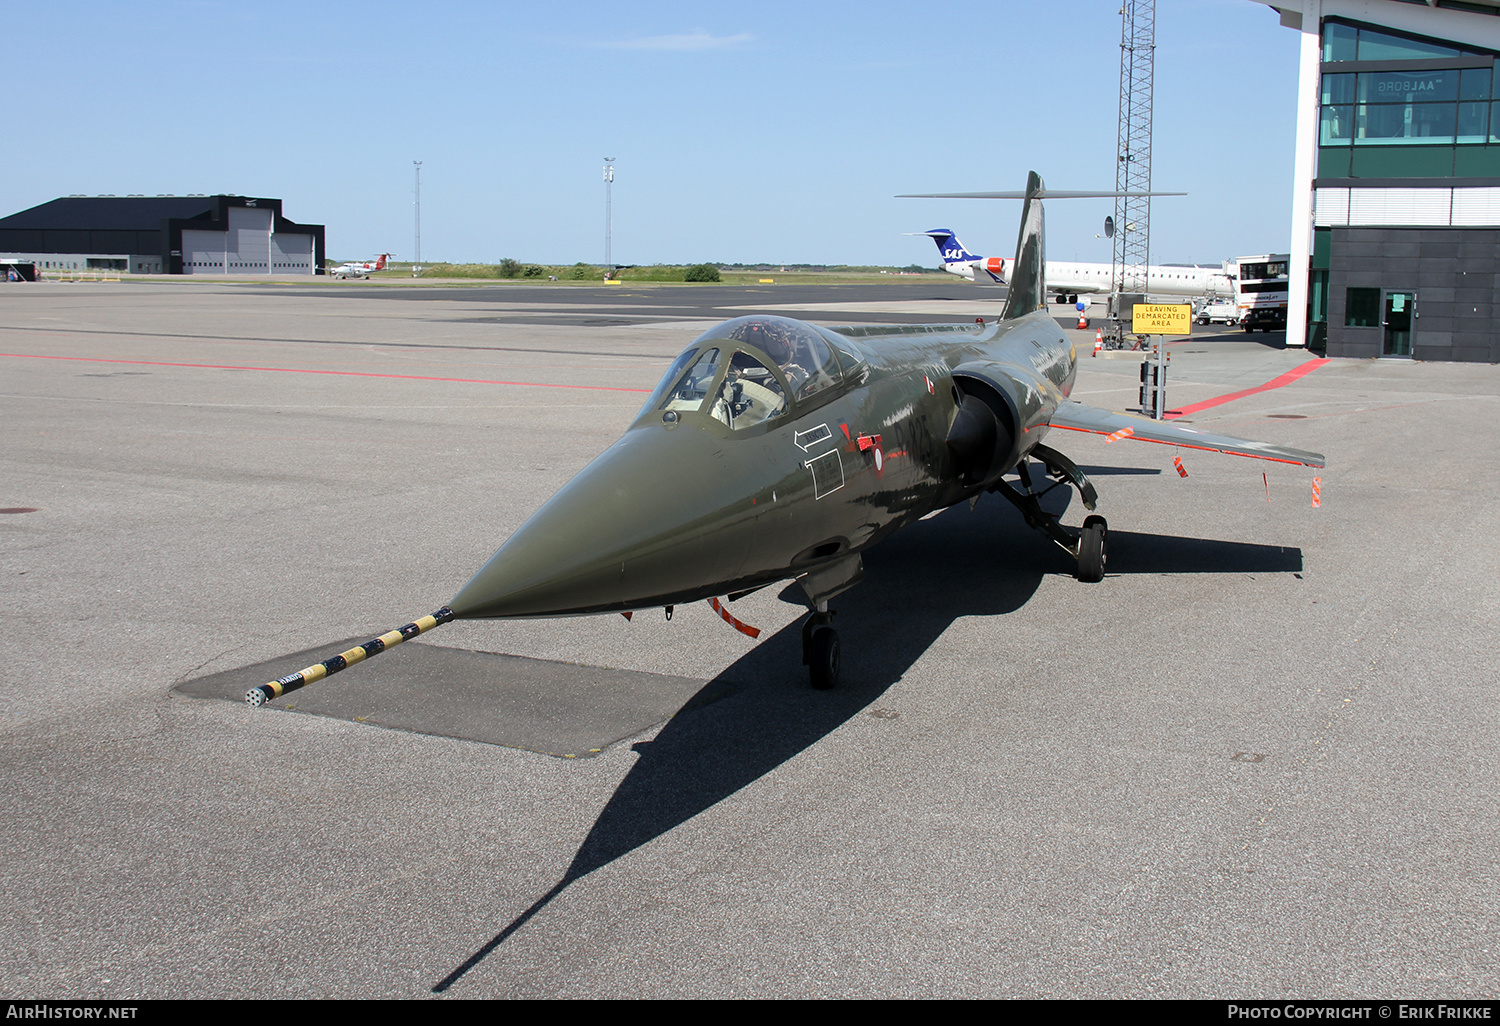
<point>647,523</point>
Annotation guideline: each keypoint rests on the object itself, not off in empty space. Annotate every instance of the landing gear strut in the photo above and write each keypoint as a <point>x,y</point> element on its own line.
<point>820,647</point>
<point>1089,547</point>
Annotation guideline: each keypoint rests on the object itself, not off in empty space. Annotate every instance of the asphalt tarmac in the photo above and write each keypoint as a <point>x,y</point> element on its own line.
<point>1258,760</point>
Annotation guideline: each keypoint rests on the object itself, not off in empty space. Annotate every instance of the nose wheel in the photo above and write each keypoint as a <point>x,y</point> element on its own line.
<point>820,649</point>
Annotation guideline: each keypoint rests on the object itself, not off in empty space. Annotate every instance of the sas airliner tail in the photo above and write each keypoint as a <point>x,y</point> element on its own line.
<point>958,260</point>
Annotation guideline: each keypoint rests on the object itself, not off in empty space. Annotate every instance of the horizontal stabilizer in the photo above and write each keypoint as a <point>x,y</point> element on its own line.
<point>1043,194</point>
<point>1078,417</point>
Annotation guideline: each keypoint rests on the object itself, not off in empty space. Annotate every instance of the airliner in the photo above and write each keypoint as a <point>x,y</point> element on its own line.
<point>360,269</point>
<point>1068,281</point>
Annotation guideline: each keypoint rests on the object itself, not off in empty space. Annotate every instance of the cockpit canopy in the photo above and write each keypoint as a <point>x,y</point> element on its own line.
<point>742,371</point>
<point>796,347</point>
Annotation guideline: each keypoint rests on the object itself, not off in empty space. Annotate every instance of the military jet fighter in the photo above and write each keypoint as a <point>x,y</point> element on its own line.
<point>775,449</point>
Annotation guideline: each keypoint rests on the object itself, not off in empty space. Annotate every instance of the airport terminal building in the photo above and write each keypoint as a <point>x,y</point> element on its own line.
<point>218,235</point>
<point>1396,208</point>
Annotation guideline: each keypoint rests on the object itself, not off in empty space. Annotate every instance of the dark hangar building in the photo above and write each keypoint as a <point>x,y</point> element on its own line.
<point>219,235</point>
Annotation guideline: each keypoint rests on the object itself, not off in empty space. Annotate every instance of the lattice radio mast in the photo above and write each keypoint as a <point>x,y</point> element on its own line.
<point>1132,242</point>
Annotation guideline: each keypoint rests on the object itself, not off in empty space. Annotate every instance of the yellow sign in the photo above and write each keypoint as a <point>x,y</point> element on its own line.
<point>1161,318</point>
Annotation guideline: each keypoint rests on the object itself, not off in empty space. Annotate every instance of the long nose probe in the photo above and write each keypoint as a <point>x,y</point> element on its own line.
<point>316,672</point>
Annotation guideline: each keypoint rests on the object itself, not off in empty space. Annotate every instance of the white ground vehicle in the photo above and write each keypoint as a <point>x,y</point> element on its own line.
<point>1218,311</point>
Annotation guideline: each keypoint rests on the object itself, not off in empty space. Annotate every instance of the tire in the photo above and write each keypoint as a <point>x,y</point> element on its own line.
<point>823,658</point>
<point>1092,550</point>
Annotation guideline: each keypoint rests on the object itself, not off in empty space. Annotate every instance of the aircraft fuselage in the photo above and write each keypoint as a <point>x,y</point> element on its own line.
<point>690,504</point>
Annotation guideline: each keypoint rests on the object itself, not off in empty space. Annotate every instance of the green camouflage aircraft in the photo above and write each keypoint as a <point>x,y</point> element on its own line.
<point>776,449</point>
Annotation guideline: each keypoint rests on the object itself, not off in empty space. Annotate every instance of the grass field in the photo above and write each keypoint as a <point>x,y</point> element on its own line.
<point>656,274</point>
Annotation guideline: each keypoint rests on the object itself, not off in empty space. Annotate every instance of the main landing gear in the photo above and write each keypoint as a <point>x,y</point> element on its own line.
<point>820,647</point>
<point>1090,547</point>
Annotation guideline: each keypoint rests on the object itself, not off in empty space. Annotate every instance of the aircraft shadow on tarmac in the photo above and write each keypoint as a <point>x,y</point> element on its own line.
<point>984,563</point>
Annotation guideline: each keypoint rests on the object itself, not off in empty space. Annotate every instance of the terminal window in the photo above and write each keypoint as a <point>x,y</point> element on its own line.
<point>1362,308</point>
<point>1404,120</point>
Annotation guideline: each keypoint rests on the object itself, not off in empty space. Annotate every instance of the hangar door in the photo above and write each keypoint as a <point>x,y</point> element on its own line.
<point>292,254</point>
<point>248,247</point>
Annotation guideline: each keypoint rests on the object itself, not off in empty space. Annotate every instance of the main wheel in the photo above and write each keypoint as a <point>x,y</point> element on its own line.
<point>823,658</point>
<point>1092,546</point>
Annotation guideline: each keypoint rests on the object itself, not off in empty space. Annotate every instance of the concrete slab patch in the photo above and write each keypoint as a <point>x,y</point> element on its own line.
<point>562,709</point>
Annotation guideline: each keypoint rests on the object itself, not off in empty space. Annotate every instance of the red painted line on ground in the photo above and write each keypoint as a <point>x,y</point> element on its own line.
<point>1285,379</point>
<point>299,370</point>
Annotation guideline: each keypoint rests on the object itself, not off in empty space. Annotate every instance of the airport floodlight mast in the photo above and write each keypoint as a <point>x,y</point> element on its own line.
<point>1133,171</point>
<point>609,184</point>
<point>416,268</point>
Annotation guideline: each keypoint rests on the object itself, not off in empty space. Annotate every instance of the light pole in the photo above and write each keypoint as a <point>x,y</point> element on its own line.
<point>416,268</point>
<point>609,182</point>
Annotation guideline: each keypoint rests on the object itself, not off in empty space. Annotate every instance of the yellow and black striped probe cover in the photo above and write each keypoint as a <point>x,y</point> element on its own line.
<point>292,681</point>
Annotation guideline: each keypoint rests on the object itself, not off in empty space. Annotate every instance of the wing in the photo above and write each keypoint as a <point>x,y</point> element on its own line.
<point>1078,417</point>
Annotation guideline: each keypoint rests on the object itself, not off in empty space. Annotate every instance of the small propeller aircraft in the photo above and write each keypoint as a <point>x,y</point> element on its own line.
<point>775,449</point>
<point>360,268</point>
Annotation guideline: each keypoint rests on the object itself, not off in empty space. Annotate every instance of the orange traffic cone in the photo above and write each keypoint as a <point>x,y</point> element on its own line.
<point>1098,341</point>
<point>1083,322</point>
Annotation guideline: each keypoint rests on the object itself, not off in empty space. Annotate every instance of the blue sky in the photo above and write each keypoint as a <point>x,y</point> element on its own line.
<point>742,132</point>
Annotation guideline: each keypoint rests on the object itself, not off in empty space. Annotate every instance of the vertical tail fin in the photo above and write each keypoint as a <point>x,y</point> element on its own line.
<point>380,262</point>
<point>1028,286</point>
<point>947,243</point>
